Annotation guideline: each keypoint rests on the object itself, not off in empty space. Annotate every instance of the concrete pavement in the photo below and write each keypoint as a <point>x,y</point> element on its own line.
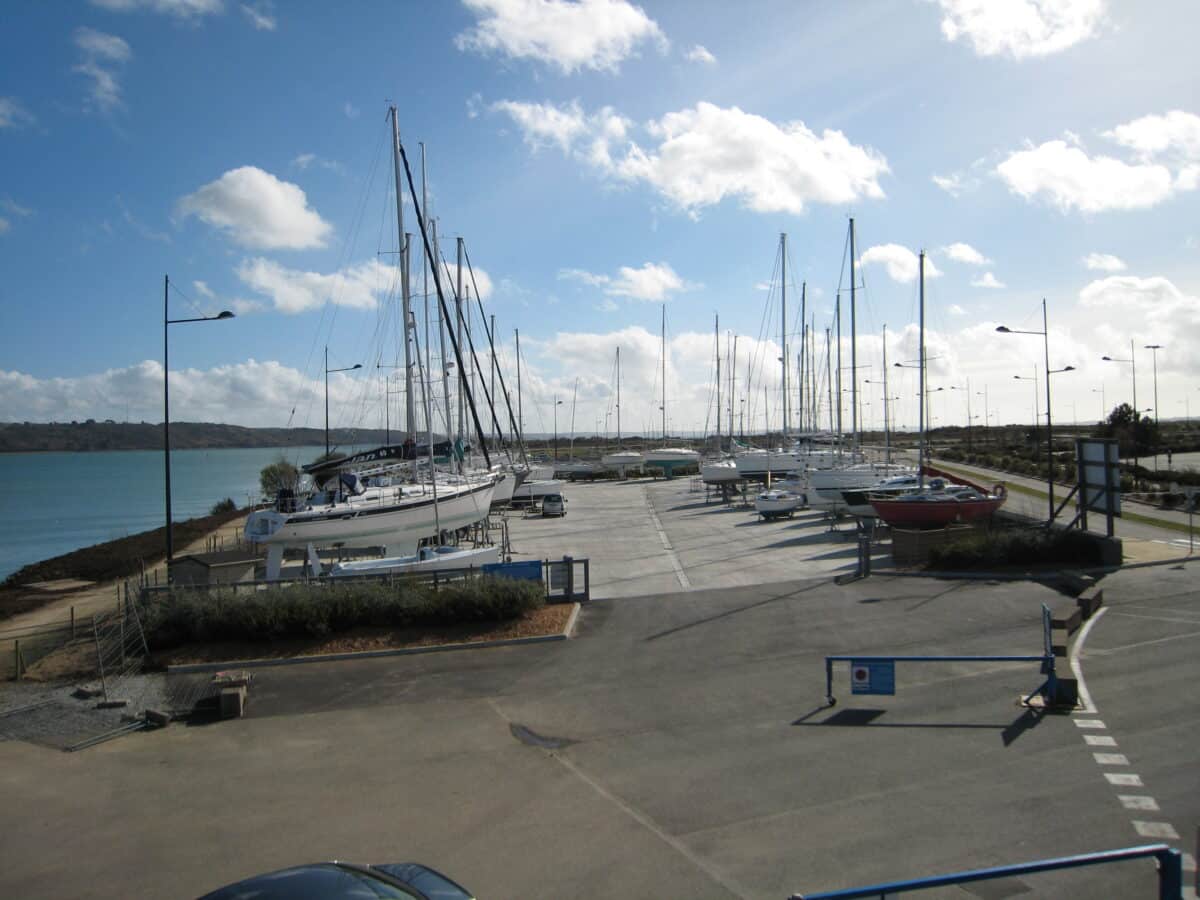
<point>677,747</point>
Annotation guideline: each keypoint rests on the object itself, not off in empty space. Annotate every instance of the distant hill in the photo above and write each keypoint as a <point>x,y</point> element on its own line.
<point>33,437</point>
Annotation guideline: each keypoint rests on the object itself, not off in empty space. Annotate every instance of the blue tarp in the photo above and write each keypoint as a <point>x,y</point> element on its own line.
<point>529,570</point>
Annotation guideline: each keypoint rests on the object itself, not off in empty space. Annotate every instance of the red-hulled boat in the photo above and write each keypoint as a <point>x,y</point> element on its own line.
<point>939,508</point>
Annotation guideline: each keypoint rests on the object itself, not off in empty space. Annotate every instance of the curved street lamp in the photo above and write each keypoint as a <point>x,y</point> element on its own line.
<point>223,314</point>
<point>1045,334</point>
<point>1133,377</point>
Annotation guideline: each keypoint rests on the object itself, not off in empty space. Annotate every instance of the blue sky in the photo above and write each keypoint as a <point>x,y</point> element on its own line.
<point>599,158</point>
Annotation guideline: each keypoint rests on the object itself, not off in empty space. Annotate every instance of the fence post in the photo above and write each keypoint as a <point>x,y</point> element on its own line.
<point>17,658</point>
<point>569,562</point>
<point>72,623</point>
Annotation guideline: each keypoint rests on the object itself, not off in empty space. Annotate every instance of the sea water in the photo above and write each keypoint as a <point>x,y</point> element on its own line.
<point>52,503</point>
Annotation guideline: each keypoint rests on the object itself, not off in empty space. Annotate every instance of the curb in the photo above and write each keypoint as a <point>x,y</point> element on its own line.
<point>190,668</point>
<point>1034,576</point>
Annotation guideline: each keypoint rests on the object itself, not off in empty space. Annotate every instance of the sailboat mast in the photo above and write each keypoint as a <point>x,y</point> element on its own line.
<point>618,396</point>
<point>921,381</point>
<point>717,343</point>
<point>437,255</point>
<point>520,409</point>
<point>853,346</point>
<point>664,373</point>
<point>783,324</point>
<point>732,385</point>
<point>458,326</point>
<point>829,383</point>
<point>802,408</point>
<point>887,433</point>
<point>425,288</point>
<point>574,397</point>
<point>492,348</point>
<point>405,296</point>
<point>837,315</point>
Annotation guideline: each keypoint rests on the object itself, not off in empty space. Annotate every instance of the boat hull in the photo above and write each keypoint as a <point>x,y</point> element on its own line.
<point>399,526</point>
<point>535,489</point>
<point>777,504</point>
<point>428,559</point>
<point>672,460</point>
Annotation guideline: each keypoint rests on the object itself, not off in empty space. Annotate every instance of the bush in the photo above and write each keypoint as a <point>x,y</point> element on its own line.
<point>315,610</point>
<point>223,506</point>
<point>1006,548</point>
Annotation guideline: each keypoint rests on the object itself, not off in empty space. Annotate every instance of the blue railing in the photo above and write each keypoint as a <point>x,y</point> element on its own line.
<point>1170,873</point>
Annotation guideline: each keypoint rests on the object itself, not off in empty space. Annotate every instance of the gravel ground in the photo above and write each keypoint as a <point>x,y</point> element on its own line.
<point>55,715</point>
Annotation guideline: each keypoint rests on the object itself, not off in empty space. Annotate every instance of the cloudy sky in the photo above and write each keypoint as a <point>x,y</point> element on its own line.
<point>600,159</point>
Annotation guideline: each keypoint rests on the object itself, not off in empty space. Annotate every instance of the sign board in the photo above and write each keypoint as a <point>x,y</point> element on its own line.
<point>872,676</point>
<point>526,570</point>
<point>1099,474</point>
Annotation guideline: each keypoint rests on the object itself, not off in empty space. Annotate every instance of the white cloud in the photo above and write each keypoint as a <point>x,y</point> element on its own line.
<point>607,305</point>
<point>182,9</point>
<point>101,54</point>
<point>5,225</point>
<point>13,114</point>
<point>1071,179</point>
<point>1021,28</point>
<point>700,54</point>
<point>952,184</point>
<point>1149,310</point>
<point>258,210</point>
<point>709,153</point>
<point>351,111</point>
<point>588,34</point>
<point>250,393</point>
<point>9,205</point>
<point>653,281</point>
<point>261,15</point>
<point>965,253</point>
<point>955,310</point>
<point>987,280</point>
<point>901,263</point>
<point>202,288</point>
<point>1175,134</point>
<point>304,160</point>
<point>483,281</point>
<point>1104,262</point>
<point>296,291</point>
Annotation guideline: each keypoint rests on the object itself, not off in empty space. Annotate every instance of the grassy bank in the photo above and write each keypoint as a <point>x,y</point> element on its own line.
<point>120,558</point>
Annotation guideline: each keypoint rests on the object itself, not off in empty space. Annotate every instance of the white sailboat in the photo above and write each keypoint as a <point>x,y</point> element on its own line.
<point>360,509</point>
<point>621,460</point>
<point>427,559</point>
<point>669,459</point>
<point>827,486</point>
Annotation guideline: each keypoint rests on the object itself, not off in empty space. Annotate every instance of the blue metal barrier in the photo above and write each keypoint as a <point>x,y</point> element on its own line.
<point>1170,873</point>
<point>876,674</point>
<point>528,570</point>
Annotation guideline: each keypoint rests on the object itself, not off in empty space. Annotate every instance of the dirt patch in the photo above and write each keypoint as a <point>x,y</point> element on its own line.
<point>76,660</point>
<point>544,621</point>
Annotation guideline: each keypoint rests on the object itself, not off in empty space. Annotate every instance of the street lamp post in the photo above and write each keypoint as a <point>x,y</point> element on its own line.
<point>327,373</point>
<point>224,314</point>
<point>1133,377</point>
<point>1045,333</point>
<point>1103,405</point>
<point>1154,348</point>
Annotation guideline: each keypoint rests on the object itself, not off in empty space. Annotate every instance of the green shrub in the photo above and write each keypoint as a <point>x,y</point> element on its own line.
<point>223,506</point>
<point>1019,548</point>
<point>316,610</point>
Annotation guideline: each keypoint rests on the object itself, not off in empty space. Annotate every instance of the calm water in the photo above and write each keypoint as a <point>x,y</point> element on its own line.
<point>52,503</point>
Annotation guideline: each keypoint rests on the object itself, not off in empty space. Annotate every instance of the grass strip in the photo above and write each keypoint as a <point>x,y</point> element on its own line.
<point>1042,495</point>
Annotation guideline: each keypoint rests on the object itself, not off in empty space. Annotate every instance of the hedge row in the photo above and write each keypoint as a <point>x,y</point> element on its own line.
<point>320,609</point>
<point>1008,548</point>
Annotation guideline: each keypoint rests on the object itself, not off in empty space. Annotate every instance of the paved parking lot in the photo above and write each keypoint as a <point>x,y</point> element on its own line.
<point>678,746</point>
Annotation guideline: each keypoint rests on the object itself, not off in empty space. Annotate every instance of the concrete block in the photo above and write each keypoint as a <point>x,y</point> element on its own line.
<point>1068,618</point>
<point>1066,692</point>
<point>233,702</point>
<point>1059,649</point>
<point>111,704</point>
<point>1090,601</point>
<point>157,719</point>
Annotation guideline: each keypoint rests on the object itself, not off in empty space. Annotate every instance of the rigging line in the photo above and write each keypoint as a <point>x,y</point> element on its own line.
<point>445,311</point>
<point>499,371</point>
<point>326,313</point>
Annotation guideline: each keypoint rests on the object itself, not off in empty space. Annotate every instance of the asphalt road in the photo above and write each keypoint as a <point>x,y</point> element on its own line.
<point>676,747</point>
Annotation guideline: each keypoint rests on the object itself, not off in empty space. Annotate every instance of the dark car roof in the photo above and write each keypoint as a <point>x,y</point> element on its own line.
<point>342,881</point>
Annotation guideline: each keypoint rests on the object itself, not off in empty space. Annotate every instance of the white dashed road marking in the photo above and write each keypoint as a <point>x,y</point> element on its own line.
<point>680,575</point>
<point>1099,740</point>
<point>1089,723</point>
<point>1133,801</point>
<point>1123,779</point>
<point>1111,759</point>
<point>1163,830</point>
